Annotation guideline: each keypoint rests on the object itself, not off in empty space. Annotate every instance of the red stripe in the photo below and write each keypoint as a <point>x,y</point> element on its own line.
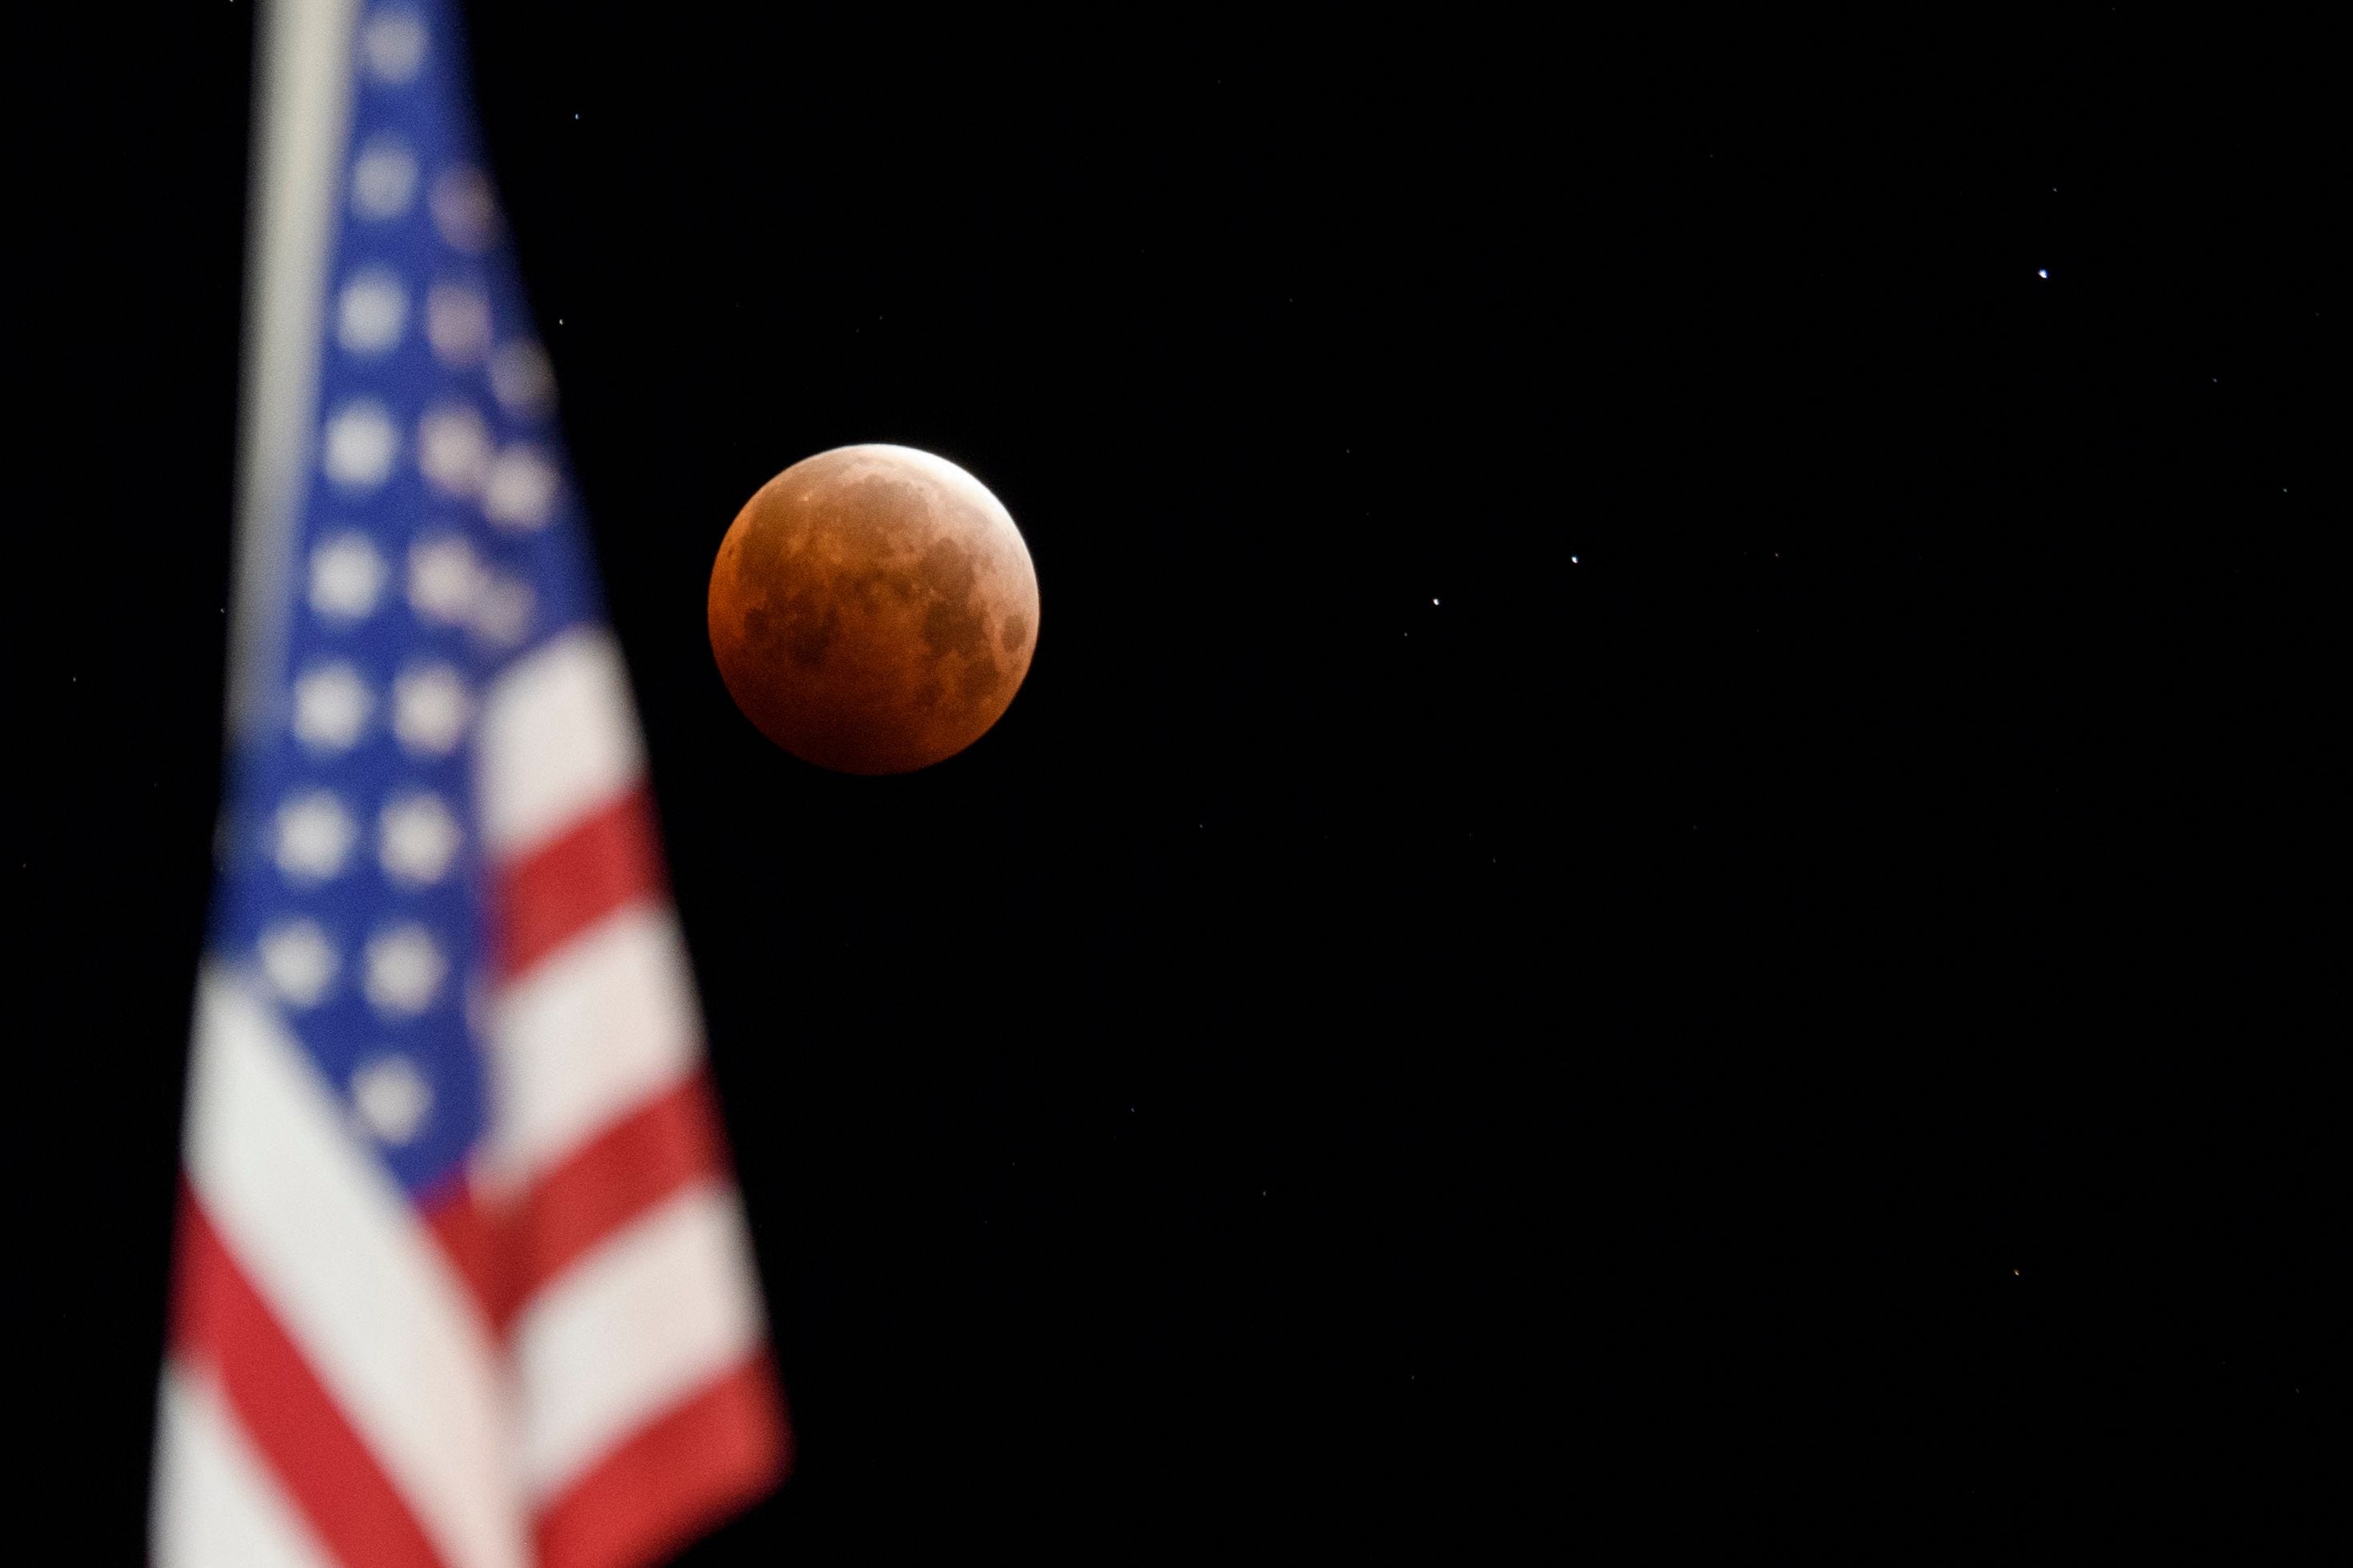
<point>665,1144</point>
<point>460,1222</point>
<point>541,899</point>
<point>222,1322</point>
<point>715,1452</point>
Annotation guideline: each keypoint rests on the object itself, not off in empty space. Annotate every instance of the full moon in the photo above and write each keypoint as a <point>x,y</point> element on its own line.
<point>874,609</point>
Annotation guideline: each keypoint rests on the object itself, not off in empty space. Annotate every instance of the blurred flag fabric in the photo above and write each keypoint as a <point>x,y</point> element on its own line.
<point>462,1277</point>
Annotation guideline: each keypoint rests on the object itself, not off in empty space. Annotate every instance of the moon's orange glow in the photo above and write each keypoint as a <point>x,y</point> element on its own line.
<point>874,609</point>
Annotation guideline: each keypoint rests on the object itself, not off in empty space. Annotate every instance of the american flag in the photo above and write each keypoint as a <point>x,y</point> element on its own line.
<point>462,1276</point>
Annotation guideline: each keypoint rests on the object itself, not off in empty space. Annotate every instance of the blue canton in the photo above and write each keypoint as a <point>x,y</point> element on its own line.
<point>436,543</point>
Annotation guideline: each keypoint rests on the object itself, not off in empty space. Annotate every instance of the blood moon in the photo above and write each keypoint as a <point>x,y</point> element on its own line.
<point>874,609</point>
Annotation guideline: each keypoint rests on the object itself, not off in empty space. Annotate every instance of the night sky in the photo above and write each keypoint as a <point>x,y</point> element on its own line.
<point>1664,865</point>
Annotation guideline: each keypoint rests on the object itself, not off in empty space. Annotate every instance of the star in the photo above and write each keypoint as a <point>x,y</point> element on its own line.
<point>394,45</point>
<point>314,837</point>
<point>521,491</point>
<point>384,180</point>
<point>443,579</point>
<point>331,707</point>
<point>346,576</point>
<point>391,1098</point>
<point>405,970</point>
<point>457,323</point>
<point>429,709</point>
<point>416,838</point>
<point>360,445</point>
<point>463,209</point>
<point>372,309</point>
<point>503,613</point>
<point>298,960</point>
<point>521,378</point>
<point>453,449</point>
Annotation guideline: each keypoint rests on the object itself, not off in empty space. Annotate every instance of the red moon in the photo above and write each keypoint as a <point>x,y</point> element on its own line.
<point>874,609</point>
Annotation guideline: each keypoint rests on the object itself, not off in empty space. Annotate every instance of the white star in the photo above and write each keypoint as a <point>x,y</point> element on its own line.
<point>521,378</point>
<point>502,614</point>
<point>331,704</point>
<point>383,178</point>
<point>405,970</point>
<point>457,323</point>
<point>361,444</point>
<point>463,209</point>
<point>314,837</point>
<point>429,709</point>
<point>371,312</point>
<point>443,579</point>
<point>298,961</point>
<point>416,838</point>
<point>453,449</point>
<point>346,576</point>
<point>522,490</point>
<point>391,1098</point>
<point>394,45</point>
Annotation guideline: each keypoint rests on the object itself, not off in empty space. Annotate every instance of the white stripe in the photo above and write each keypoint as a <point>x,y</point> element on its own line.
<point>559,738</point>
<point>302,91</point>
<point>591,1032</point>
<point>655,1312</point>
<point>363,1292</point>
<point>216,1503</point>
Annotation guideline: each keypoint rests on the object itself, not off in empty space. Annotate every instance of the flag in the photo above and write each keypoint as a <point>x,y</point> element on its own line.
<point>462,1277</point>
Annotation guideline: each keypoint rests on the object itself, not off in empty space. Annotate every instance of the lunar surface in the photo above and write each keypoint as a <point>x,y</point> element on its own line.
<point>874,609</point>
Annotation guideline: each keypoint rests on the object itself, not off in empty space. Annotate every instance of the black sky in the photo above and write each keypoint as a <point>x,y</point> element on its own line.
<point>1664,866</point>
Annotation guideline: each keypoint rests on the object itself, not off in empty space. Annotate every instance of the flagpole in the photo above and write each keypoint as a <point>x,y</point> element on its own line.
<point>302,110</point>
